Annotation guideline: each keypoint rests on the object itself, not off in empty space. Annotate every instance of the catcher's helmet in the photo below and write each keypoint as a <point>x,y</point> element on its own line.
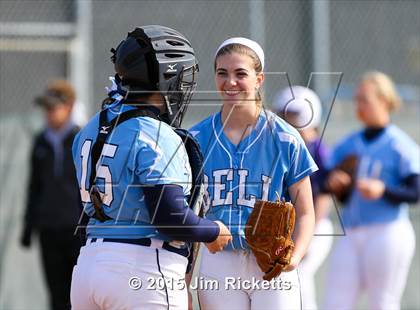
<point>300,106</point>
<point>157,58</point>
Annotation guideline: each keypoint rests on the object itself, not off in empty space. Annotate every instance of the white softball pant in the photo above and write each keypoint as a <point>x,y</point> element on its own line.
<point>318,251</point>
<point>375,259</point>
<point>234,271</point>
<point>111,275</point>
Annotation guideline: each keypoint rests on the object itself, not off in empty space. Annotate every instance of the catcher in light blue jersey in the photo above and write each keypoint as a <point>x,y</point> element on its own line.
<point>250,154</point>
<point>136,181</point>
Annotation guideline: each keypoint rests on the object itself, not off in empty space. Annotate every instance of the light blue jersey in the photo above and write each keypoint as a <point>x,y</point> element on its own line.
<point>271,159</point>
<point>139,152</point>
<point>391,157</point>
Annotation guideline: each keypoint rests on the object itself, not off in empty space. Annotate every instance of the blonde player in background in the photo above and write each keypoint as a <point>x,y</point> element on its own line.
<point>301,107</point>
<point>375,254</point>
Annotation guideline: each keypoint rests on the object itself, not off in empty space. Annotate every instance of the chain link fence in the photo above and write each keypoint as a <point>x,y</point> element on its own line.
<point>41,40</point>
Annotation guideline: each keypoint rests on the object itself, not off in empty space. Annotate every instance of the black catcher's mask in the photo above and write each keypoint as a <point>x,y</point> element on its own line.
<point>155,58</point>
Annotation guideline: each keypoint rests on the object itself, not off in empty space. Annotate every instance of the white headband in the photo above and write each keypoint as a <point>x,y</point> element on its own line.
<point>246,42</point>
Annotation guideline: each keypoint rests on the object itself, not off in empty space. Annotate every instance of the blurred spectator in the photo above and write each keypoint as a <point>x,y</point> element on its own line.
<point>53,200</point>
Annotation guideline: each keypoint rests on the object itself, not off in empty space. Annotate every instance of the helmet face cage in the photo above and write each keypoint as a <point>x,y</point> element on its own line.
<point>178,95</point>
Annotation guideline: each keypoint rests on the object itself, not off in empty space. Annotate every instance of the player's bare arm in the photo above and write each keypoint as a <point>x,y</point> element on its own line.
<point>301,195</point>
